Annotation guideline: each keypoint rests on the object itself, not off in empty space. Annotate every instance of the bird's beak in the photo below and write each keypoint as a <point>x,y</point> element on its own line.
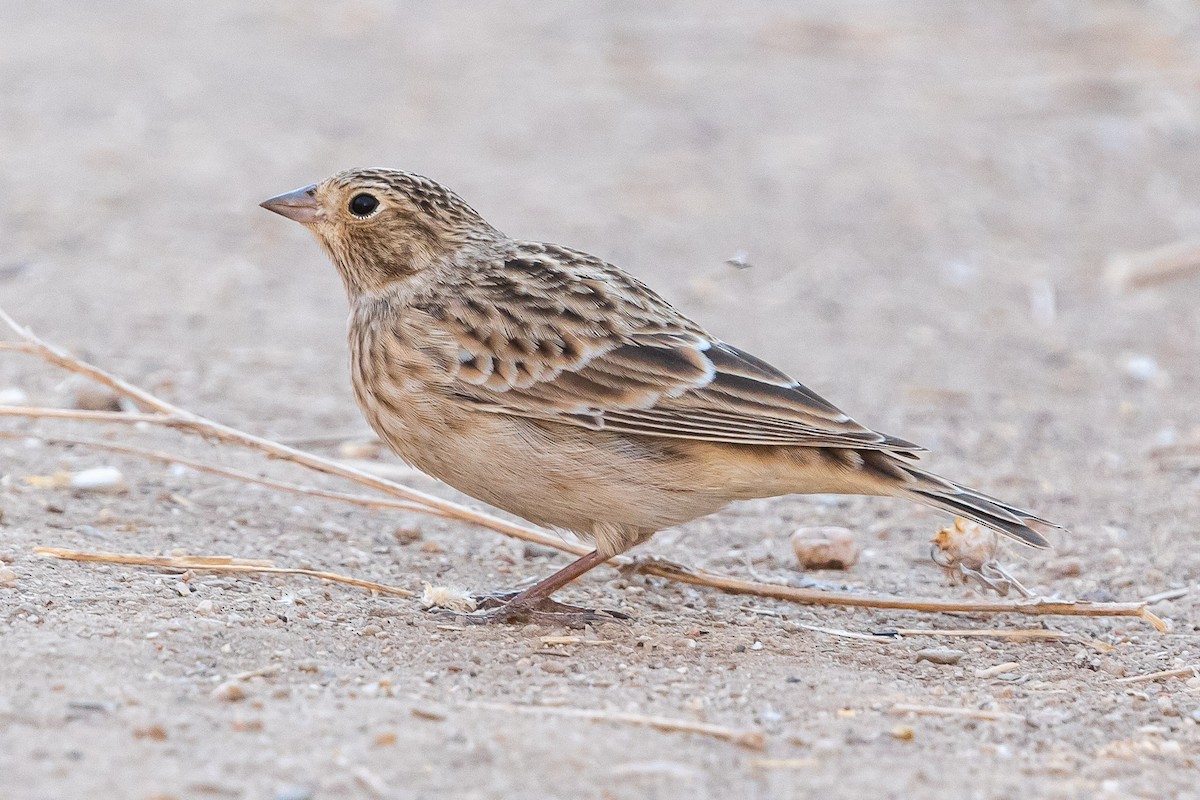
<point>300,205</point>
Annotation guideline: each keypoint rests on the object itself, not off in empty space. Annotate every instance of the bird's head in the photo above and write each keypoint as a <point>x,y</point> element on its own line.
<point>381,225</point>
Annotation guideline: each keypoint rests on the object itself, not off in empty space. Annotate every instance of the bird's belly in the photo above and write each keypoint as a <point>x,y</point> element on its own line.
<point>550,473</point>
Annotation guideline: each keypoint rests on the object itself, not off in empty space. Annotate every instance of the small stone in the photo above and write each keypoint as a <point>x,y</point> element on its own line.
<point>555,667</point>
<point>362,450</point>
<point>825,548</point>
<point>98,479</point>
<point>903,733</point>
<point>294,793</point>
<point>155,733</point>
<point>429,713</point>
<point>1114,557</point>
<point>91,397</point>
<point>408,535</point>
<point>229,692</point>
<point>1066,568</point>
<point>937,655</point>
<point>205,607</point>
<point>12,396</point>
<point>1142,368</point>
<point>8,578</point>
<point>247,725</point>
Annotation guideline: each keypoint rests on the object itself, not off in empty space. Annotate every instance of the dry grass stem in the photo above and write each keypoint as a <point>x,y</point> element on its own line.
<point>1169,594</point>
<point>173,416</point>
<point>991,633</point>
<point>214,564</point>
<point>1030,606</point>
<point>37,412</point>
<point>892,635</point>
<point>226,472</point>
<point>782,763</point>
<point>869,637</point>
<point>1182,672</point>
<point>745,738</point>
<point>1170,262</point>
<point>954,711</point>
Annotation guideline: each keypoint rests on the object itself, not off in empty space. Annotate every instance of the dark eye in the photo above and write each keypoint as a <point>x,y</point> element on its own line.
<point>363,204</point>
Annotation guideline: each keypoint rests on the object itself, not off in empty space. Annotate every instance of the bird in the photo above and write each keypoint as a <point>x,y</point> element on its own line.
<point>556,386</point>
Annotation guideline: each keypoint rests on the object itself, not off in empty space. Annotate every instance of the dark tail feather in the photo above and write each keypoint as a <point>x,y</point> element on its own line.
<point>933,490</point>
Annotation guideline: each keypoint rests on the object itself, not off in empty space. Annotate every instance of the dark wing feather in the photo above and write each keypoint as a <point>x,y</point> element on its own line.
<point>583,343</point>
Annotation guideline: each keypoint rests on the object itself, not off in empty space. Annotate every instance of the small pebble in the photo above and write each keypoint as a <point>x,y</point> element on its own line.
<point>936,655</point>
<point>825,548</point>
<point>98,479</point>
<point>429,713</point>
<point>229,692</point>
<point>1165,706</point>
<point>407,535</point>
<point>91,397</point>
<point>361,450</point>
<point>295,793</point>
<point>156,733</point>
<point>8,578</point>
<point>1142,368</point>
<point>1066,568</point>
<point>13,396</point>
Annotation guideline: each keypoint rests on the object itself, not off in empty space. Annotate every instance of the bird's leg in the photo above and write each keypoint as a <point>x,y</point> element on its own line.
<point>535,604</point>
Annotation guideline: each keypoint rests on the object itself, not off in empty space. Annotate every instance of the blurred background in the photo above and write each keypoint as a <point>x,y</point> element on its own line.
<point>976,226</point>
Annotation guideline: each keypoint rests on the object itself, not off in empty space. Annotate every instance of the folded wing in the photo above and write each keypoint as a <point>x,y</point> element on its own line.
<point>583,343</point>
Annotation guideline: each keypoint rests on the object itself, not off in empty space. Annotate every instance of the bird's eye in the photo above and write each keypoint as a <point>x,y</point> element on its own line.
<point>362,204</point>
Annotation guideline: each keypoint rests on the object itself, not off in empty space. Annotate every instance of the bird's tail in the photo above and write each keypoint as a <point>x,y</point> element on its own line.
<point>934,490</point>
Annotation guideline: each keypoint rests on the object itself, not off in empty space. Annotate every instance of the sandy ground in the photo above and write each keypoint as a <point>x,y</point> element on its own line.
<point>934,200</point>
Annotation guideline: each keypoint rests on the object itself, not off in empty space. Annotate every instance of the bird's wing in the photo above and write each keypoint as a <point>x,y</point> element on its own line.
<point>591,346</point>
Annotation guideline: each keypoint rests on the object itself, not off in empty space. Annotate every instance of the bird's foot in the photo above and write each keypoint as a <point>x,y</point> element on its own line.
<point>508,608</point>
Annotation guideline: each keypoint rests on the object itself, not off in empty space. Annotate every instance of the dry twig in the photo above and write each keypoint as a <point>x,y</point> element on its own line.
<point>1155,267</point>
<point>892,635</point>
<point>954,711</point>
<point>996,633</point>
<point>170,415</point>
<point>226,472</point>
<point>1182,672</point>
<point>745,738</point>
<point>1031,606</point>
<point>214,564</point>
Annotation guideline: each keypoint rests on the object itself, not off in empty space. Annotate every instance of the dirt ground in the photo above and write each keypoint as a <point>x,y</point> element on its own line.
<point>937,199</point>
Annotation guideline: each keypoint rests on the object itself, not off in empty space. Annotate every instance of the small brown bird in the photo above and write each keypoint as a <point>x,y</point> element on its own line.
<point>557,387</point>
